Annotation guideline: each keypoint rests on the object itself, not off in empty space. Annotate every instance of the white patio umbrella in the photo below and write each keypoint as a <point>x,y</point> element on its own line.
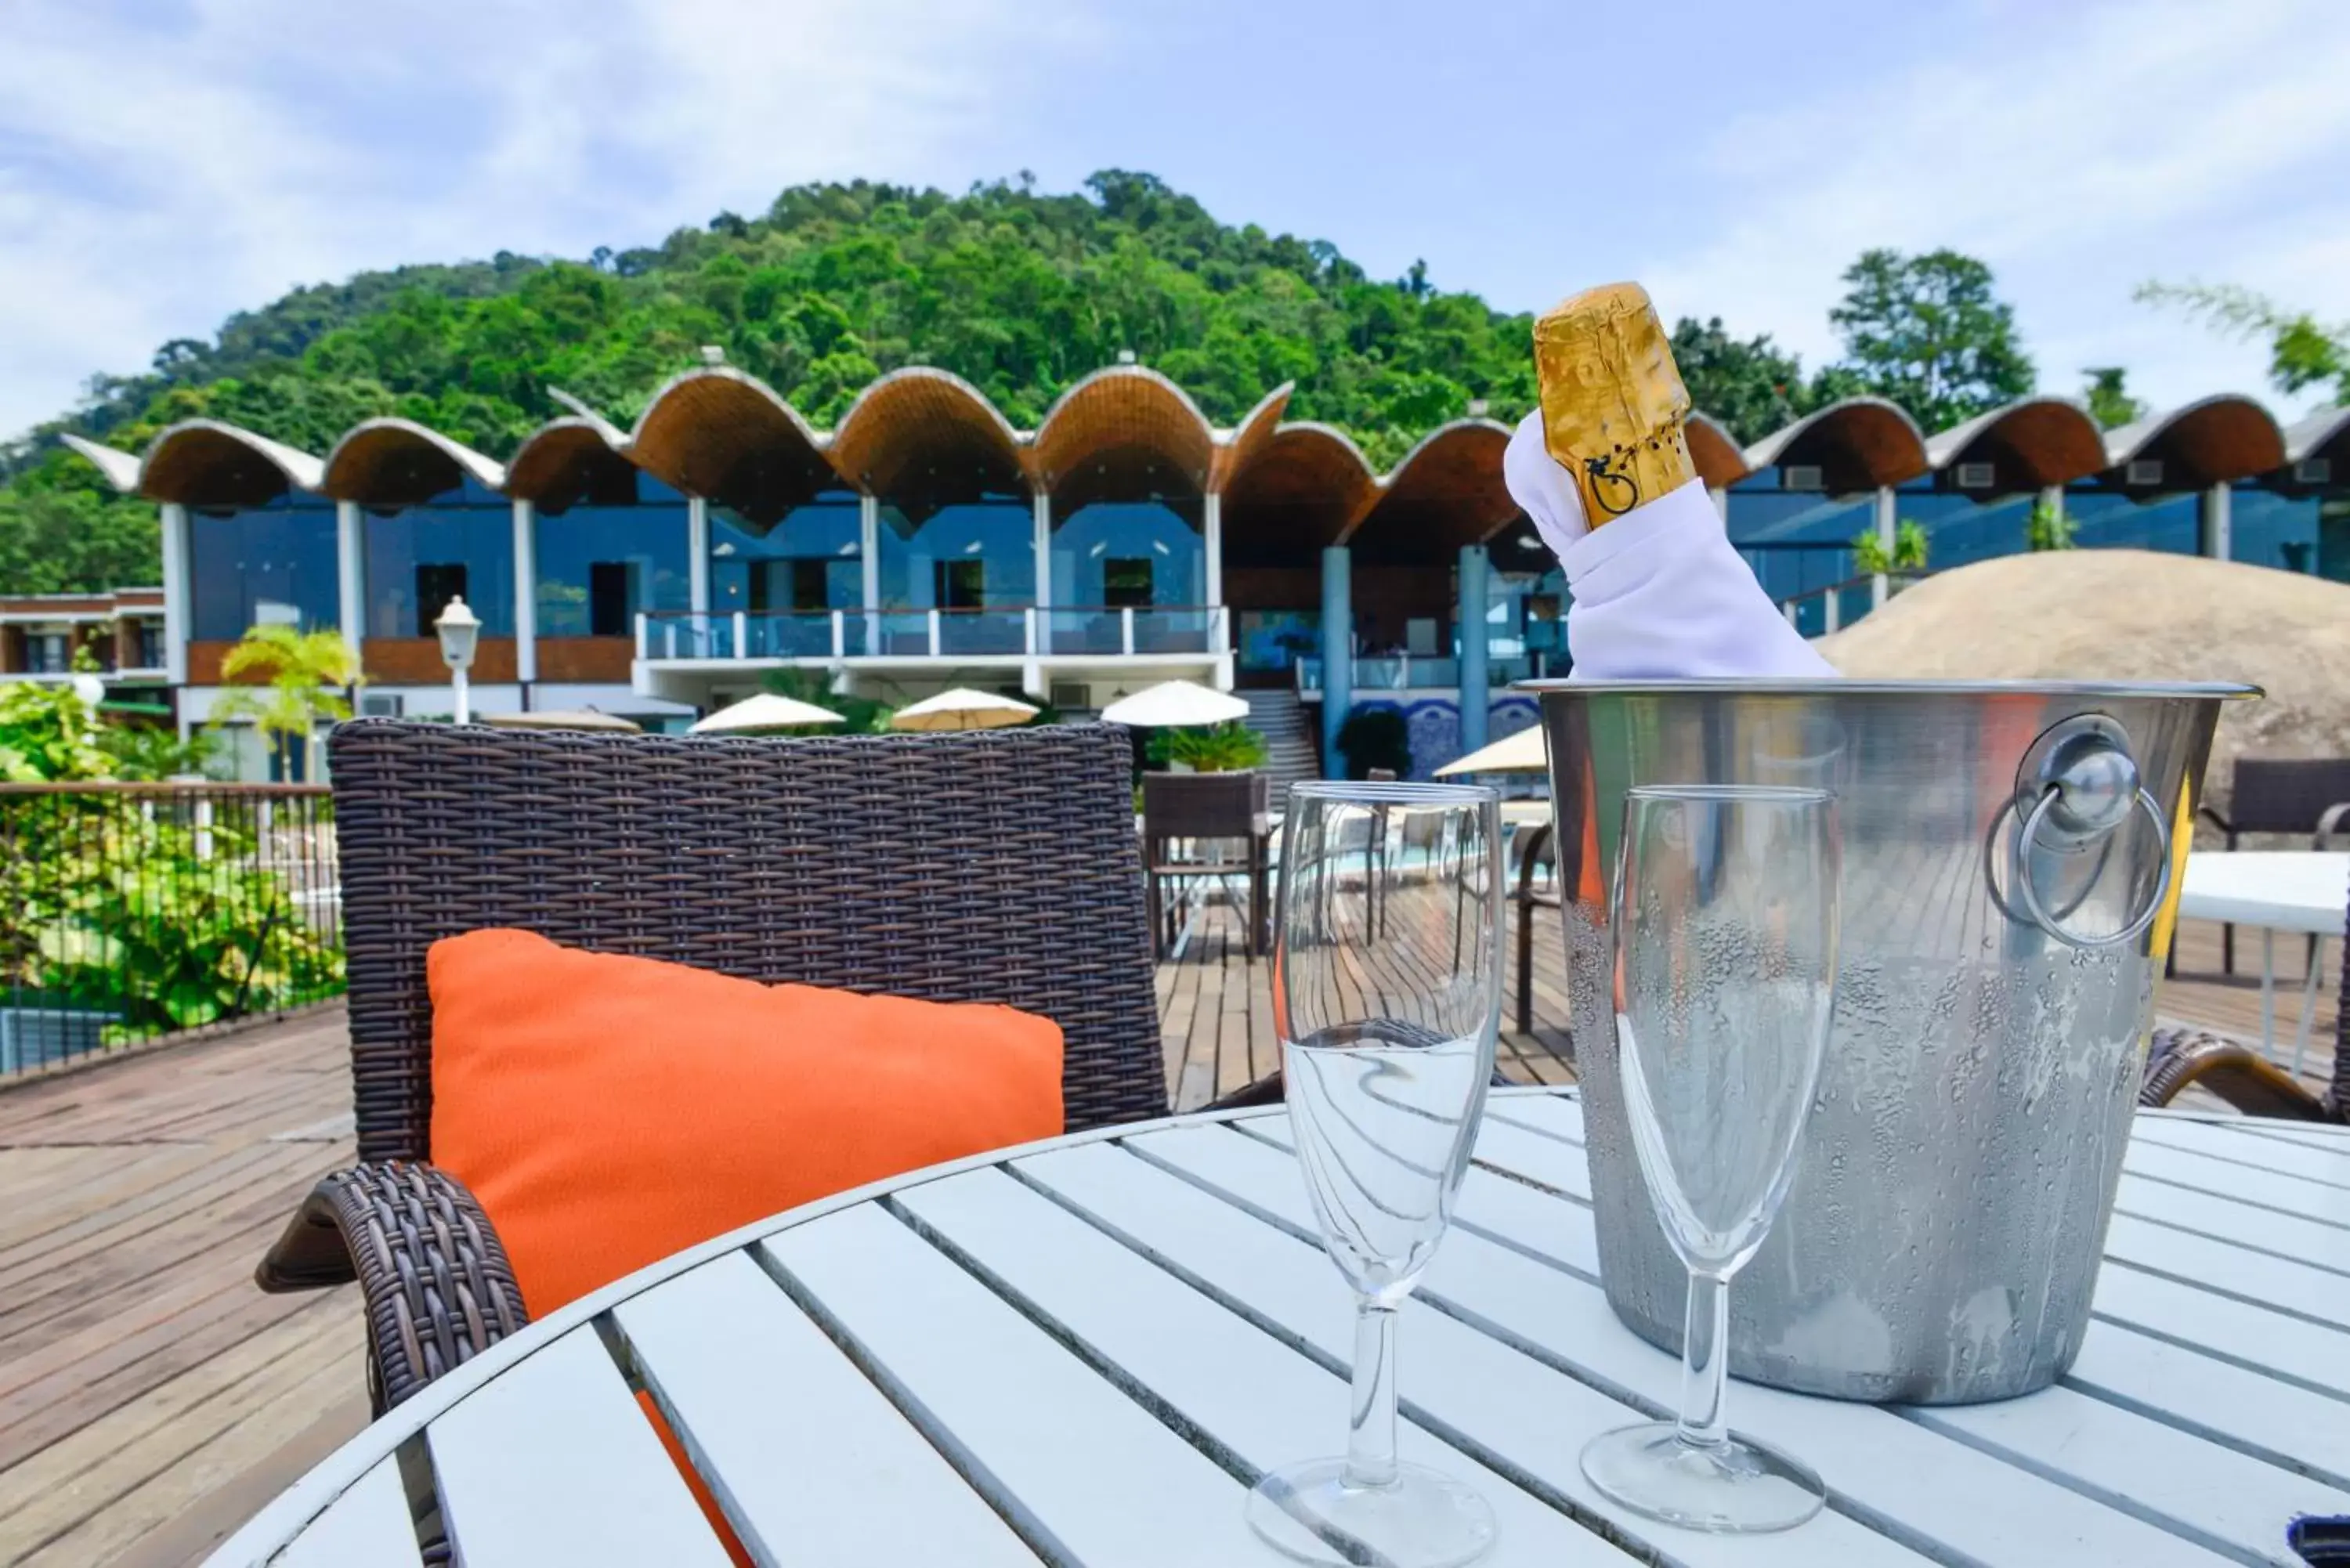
<point>1521,753</point>
<point>767,711</point>
<point>561,719</point>
<point>1175,704</point>
<point>963,709</point>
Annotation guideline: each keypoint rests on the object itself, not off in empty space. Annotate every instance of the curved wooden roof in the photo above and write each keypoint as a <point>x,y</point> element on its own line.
<point>1302,487</point>
<point>569,460</point>
<point>1860,444</point>
<point>1719,463</point>
<point>398,462</point>
<point>911,420</point>
<point>2030,443</point>
<point>1448,492</point>
<point>2325,433</point>
<point>1128,411</point>
<point>716,432</point>
<point>2210,440</point>
<point>204,463</point>
<point>1248,438</point>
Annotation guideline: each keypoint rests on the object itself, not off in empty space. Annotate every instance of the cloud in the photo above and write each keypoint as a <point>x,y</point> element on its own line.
<point>160,170</point>
<point>2079,154</point>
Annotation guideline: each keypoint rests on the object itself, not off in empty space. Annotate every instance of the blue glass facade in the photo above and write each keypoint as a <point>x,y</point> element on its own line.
<point>1799,542</point>
<point>1961,526</point>
<point>262,566</point>
<point>970,554</point>
<point>2271,527</point>
<point>1121,553</point>
<point>461,542</point>
<point>2105,516</point>
<point>601,562</point>
<point>809,561</point>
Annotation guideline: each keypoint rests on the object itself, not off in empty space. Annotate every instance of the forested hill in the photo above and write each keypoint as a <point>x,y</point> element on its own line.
<point>1019,292</point>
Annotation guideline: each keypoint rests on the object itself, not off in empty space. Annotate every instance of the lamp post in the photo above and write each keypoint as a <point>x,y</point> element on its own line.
<point>458,628</point>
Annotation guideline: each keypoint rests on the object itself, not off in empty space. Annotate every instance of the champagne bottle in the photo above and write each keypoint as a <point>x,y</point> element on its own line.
<point>1612,399</point>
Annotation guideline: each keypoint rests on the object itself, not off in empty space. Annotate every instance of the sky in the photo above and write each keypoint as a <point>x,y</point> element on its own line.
<point>165,162</point>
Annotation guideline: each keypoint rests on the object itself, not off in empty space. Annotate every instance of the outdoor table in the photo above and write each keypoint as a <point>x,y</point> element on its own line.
<point>1084,1351</point>
<point>2283,890</point>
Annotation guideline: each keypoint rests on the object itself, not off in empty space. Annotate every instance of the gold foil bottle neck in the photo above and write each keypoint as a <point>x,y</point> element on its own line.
<point>1612,399</point>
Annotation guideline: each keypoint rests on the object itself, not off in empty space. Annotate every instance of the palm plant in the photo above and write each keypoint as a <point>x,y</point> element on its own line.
<point>308,676</point>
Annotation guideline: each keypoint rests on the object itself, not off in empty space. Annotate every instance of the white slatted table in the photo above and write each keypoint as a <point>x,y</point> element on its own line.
<point>2276,890</point>
<point>1084,1352</point>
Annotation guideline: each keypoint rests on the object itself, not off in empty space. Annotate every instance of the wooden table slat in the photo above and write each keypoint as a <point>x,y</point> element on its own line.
<point>1249,1392</point>
<point>1889,1467</point>
<point>553,1461</point>
<point>762,1400</point>
<point>366,1527</point>
<point>1456,1377</point>
<point>1079,1468</point>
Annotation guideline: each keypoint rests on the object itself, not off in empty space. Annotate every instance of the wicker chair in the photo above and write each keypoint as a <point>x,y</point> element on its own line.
<point>1196,809</point>
<point>2272,794</point>
<point>2237,1071</point>
<point>995,867</point>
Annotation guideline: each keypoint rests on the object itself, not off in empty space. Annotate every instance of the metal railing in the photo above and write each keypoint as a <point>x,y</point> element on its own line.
<point>1816,612</point>
<point>132,911</point>
<point>1422,673</point>
<point>1012,632</point>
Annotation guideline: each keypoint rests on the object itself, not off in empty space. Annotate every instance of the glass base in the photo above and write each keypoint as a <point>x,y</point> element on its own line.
<point>1740,1488</point>
<point>1426,1519</point>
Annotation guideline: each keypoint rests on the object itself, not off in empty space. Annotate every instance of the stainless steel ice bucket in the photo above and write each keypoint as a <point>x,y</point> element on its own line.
<point>2011,858</point>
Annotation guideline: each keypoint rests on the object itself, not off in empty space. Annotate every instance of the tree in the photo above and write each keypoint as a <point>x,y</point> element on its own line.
<point>307,674</point>
<point>1910,547</point>
<point>1751,385</point>
<point>1928,333</point>
<point>2303,351</point>
<point>2108,398</point>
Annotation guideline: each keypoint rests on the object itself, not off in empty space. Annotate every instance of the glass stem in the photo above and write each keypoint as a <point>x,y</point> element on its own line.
<point>1371,1422</point>
<point>1705,1361</point>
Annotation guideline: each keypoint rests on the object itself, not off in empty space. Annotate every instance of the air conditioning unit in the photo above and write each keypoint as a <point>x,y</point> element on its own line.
<point>2314,471</point>
<point>383,705</point>
<point>1976,476</point>
<point>2144,471</point>
<point>1800,476</point>
<point>1067,695</point>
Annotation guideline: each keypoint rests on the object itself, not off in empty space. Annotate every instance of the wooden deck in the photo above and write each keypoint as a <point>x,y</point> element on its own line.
<point>151,1397</point>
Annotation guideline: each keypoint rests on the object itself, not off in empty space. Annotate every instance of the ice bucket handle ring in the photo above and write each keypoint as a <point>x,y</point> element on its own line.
<point>2029,833</point>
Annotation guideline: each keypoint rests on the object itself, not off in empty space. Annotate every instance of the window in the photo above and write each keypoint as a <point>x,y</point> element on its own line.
<point>261,565</point>
<point>46,652</point>
<point>960,585</point>
<point>1126,582</point>
<point>811,584</point>
<point>148,644</point>
<point>612,595</point>
<point>436,585</point>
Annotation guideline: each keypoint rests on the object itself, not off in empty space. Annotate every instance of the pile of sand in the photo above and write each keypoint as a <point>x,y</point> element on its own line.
<point>2132,615</point>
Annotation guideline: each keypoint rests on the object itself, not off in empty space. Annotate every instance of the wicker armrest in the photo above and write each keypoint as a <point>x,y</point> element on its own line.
<point>2336,819</point>
<point>2231,1069</point>
<point>437,1286</point>
<point>2220,822</point>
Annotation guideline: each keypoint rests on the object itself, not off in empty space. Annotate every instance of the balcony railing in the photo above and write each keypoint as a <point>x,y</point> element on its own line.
<point>1020,631</point>
<point>1816,612</point>
<point>1421,672</point>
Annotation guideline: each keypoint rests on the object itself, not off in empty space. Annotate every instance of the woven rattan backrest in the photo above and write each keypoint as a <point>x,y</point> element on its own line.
<point>1203,806</point>
<point>2269,794</point>
<point>998,867</point>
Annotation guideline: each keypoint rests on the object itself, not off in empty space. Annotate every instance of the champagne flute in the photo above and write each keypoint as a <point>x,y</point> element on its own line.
<point>1388,999</point>
<point>1726,901</point>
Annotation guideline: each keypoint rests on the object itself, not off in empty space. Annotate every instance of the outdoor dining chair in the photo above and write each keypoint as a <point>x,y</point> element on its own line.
<point>2283,794</point>
<point>997,866</point>
<point>2239,1073</point>
<point>1190,824</point>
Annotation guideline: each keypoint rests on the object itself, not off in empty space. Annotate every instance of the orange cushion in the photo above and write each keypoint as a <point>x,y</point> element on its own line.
<point>608,1111</point>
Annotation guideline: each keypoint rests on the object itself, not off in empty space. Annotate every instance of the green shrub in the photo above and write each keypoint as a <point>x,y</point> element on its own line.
<point>1227,748</point>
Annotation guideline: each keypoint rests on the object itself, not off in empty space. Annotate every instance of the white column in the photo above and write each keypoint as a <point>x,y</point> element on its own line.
<point>350,572</point>
<point>1044,547</point>
<point>697,571</point>
<point>868,550</point>
<point>2219,524</point>
<point>525,608</point>
<point>1888,529</point>
<point>1211,524</point>
<point>176,599</point>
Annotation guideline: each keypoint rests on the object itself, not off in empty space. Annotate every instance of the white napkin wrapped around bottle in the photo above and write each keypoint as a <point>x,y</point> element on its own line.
<point>1659,593</point>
